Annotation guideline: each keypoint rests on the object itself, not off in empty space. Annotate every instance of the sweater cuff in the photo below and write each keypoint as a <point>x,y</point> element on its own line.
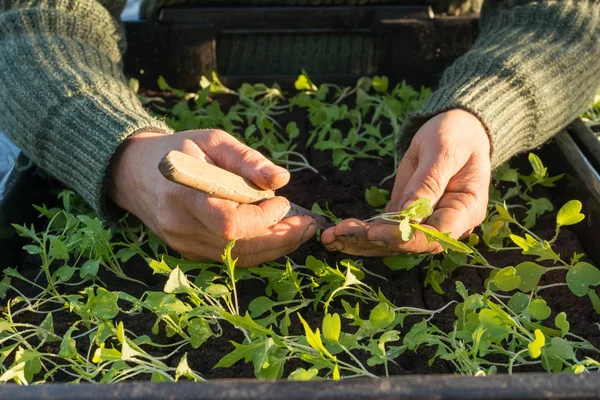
<point>92,131</point>
<point>496,99</point>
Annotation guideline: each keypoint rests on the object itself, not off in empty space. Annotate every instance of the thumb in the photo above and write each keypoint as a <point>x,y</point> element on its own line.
<point>230,154</point>
<point>428,181</point>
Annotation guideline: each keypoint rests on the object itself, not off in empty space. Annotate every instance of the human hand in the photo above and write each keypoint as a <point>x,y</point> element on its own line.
<point>448,161</point>
<point>195,224</point>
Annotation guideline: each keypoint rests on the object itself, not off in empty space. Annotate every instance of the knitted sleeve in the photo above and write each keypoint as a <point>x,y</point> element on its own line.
<point>533,69</point>
<point>63,97</point>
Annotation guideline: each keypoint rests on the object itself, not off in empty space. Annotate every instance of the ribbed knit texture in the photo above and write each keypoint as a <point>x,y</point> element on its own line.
<point>63,97</point>
<point>533,69</point>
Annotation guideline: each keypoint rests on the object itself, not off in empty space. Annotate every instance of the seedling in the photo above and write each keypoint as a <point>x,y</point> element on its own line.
<point>330,320</point>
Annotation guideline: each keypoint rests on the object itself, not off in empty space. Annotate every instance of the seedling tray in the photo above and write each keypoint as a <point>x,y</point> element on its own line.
<point>417,387</point>
<point>256,44</point>
<point>581,182</point>
<point>185,49</point>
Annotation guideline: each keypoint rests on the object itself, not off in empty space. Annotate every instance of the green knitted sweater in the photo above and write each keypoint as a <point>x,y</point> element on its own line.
<point>65,103</point>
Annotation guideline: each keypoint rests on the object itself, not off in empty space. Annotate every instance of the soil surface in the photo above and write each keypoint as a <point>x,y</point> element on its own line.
<point>344,192</point>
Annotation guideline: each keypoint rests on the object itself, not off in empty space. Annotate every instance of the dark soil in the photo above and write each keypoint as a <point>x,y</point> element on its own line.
<point>344,192</point>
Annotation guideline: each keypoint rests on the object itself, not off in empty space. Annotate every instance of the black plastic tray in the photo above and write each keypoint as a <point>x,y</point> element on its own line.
<point>183,44</point>
<point>421,387</point>
<point>581,182</point>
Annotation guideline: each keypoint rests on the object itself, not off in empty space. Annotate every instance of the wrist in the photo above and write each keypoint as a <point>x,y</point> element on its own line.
<point>129,166</point>
<point>471,128</point>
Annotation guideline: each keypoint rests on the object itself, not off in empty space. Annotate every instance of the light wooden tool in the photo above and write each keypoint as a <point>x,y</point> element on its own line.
<point>188,171</point>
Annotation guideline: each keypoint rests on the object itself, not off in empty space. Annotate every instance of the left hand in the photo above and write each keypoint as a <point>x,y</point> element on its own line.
<point>448,161</point>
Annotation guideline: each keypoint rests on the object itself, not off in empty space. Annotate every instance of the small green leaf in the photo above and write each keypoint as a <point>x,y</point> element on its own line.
<point>570,213</point>
<point>380,84</point>
<point>530,274</point>
<point>103,354</point>
<point>381,316</point>
<point>538,167</point>
<point>510,175</point>
<point>183,369</point>
<point>125,254</point>
<point>518,302</point>
<point>539,310</point>
<point>332,326</point>
<point>419,209</point>
<point>260,305</point>
<point>406,232</point>
<point>561,348</point>
<point>58,249</point>
<point>177,283</point>
<point>473,240</point>
<point>104,304</point>
<point>245,322</point>
<point>162,84</point>
<point>68,348</point>
<point>316,266</point>
<point>561,323</point>
<point>65,273</point>
<point>292,130</point>
<point>314,338</point>
<point>503,213</point>
<point>532,247</point>
<point>32,249</point>
<point>48,325</point>
<point>403,261</point>
<point>535,347</point>
<point>304,83</point>
<point>199,331</point>
<point>159,267</point>
<point>217,290</point>
<point>89,268</point>
<point>506,279</point>
<point>302,374</point>
<point>134,85</point>
<point>444,239</point>
<point>376,197</point>
<point>242,351</point>
<point>581,276</point>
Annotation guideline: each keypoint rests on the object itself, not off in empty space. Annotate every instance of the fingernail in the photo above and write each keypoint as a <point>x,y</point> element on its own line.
<point>286,210</point>
<point>348,238</point>
<point>378,243</point>
<point>309,232</point>
<point>271,169</point>
<point>335,246</point>
<point>407,204</point>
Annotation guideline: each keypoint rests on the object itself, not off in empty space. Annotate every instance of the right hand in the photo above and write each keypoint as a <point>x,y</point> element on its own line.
<point>194,224</point>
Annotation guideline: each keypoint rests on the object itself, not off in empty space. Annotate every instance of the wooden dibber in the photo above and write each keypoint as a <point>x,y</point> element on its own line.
<point>188,171</point>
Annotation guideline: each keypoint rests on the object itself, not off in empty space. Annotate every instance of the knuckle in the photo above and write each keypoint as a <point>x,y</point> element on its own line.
<point>431,186</point>
<point>228,231</point>
<point>214,137</point>
<point>249,156</point>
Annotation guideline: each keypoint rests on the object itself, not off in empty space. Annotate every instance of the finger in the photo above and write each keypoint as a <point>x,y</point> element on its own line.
<point>232,155</point>
<point>350,237</point>
<point>230,220</point>
<point>457,214</point>
<point>429,179</point>
<point>388,237</point>
<point>284,238</point>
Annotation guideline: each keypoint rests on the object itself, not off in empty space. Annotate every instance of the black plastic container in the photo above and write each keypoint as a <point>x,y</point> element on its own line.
<point>335,44</point>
